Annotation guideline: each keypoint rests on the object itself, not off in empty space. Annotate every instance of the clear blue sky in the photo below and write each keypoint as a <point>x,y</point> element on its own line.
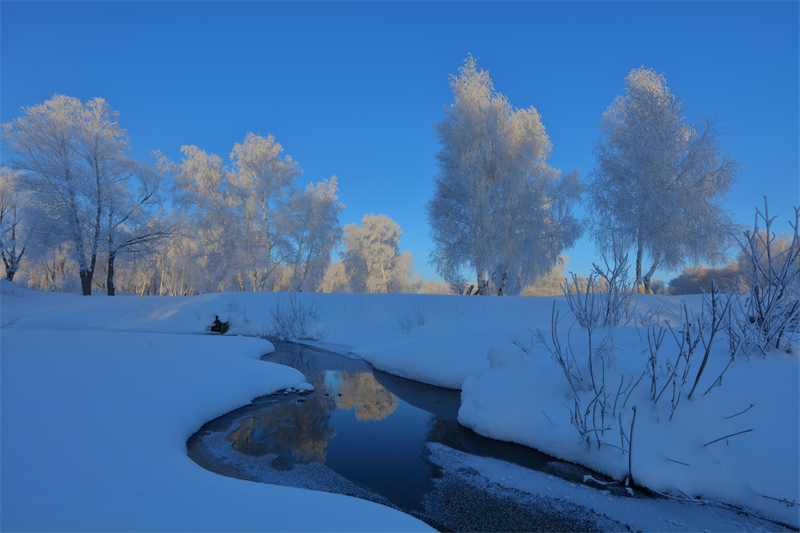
<point>352,89</point>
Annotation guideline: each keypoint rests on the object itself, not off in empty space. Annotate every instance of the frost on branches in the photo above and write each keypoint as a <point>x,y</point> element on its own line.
<point>372,259</point>
<point>252,224</point>
<point>15,222</point>
<point>770,317</point>
<point>659,184</point>
<point>87,191</point>
<point>497,207</point>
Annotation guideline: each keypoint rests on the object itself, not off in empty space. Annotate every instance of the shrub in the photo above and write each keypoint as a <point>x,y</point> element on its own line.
<point>770,315</point>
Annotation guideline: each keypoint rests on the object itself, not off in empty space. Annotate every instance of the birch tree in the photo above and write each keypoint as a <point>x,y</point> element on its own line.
<point>131,223</point>
<point>256,228</point>
<point>497,208</point>
<point>659,184</point>
<point>314,232</point>
<point>69,152</point>
<point>201,188</point>
<point>262,179</point>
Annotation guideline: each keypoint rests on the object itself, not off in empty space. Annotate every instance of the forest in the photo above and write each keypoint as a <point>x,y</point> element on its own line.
<point>79,214</point>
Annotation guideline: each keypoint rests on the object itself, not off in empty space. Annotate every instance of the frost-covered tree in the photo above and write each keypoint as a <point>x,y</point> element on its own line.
<point>201,188</point>
<point>659,184</point>
<point>130,217</point>
<point>254,228</point>
<point>15,220</point>
<point>314,232</point>
<point>432,286</point>
<point>70,151</point>
<point>372,258</point>
<point>696,279</point>
<point>335,279</point>
<point>497,208</point>
<point>262,180</point>
<point>550,284</point>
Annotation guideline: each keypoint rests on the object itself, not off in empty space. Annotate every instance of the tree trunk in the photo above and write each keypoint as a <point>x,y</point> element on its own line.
<point>12,261</point>
<point>11,268</point>
<point>383,273</point>
<point>503,281</point>
<point>481,288</point>
<point>110,277</point>
<point>161,280</point>
<point>86,281</point>
<point>649,275</point>
<point>639,254</point>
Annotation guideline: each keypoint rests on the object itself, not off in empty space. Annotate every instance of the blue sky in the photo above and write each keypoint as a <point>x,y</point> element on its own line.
<point>352,89</point>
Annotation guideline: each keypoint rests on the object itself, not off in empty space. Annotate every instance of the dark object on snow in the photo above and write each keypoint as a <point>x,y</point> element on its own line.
<point>219,327</point>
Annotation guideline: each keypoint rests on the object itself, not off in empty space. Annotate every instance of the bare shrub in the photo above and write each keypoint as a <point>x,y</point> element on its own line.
<point>606,299</point>
<point>417,316</point>
<point>770,315</point>
<point>294,320</point>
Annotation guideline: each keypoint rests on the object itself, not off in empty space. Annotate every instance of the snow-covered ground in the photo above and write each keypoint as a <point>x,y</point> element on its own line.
<point>96,411</point>
<point>99,395</point>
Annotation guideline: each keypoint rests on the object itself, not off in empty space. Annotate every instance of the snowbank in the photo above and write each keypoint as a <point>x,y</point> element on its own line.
<point>451,341</point>
<point>527,400</point>
<point>95,423</point>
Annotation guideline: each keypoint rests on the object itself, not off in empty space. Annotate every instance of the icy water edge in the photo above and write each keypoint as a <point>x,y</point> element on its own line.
<point>375,436</point>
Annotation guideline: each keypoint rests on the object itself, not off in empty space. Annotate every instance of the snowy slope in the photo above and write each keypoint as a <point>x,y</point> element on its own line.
<point>95,423</point>
<point>446,340</point>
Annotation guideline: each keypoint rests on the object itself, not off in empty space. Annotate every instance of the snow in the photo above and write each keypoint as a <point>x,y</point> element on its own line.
<point>540,489</point>
<point>517,402</point>
<point>95,423</point>
<point>99,395</point>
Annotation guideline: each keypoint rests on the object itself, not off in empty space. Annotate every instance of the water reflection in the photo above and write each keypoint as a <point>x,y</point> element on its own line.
<point>352,423</point>
<point>371,400</point>
<point>369,427</point>
<point>301,430</point>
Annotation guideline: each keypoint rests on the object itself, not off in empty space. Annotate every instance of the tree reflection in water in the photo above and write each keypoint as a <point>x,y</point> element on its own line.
<point>302,428</point>
<point>362,391</point>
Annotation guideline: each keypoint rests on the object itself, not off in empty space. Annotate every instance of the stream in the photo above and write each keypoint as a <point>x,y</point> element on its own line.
<point>394,441</point>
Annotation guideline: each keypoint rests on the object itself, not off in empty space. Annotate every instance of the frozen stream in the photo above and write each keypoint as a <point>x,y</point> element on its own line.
<point>383,438</point>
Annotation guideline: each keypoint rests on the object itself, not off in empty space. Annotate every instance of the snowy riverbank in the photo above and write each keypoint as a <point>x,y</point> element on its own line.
<point>100,394</point>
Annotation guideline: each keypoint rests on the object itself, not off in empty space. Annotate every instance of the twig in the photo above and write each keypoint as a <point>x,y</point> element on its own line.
<point>726,436</point>
<point>619,391</point>
<point>547,417</point>
<point>630,448</point>
<point>623,450</point>
<point>784,501</point>
<point>631,391</point>
<point>680,463</point>
<point>737,414</point>
<point>687,499</point>
<point>675,405</point>
<point>590,478</point>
